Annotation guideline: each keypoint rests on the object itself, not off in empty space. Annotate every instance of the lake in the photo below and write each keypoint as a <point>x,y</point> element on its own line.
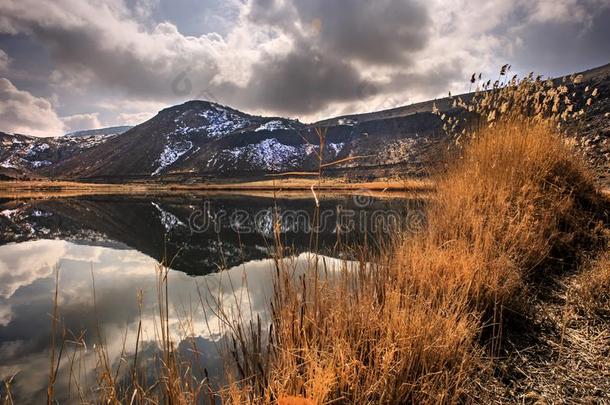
<point>106,250</point>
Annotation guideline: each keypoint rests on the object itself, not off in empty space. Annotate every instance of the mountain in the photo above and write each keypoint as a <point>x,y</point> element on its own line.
<point>101,131</point>
<point>204,140</point>
<point>193,137</point>
<point>23,156</point>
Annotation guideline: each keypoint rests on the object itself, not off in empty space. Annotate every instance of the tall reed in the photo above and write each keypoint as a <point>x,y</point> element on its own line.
<point>419,323</point>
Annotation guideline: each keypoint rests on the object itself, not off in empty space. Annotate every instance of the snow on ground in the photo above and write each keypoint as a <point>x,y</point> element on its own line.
<point>40,163</point>
<point>169,220</point>
<point>222,122</point>
<point>171,154</point>
<point>272,126</point>
<point>269,154</point>
<point>309,149</point>
<point>9,213</point>
<point>36,148</point>
<point>7,164</point>
<point>336,147</point>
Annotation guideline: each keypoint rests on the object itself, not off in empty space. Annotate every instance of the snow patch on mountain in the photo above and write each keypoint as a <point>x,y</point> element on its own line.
<point>272,126</point>
<point>35,149</point>
<point>215,120</point>
<point>40,163</point>
<point>9,213</point>
<point>183,129</point>
<point>222,122</point>
<point>269,154</point>
<point>7,164</point>
<point>171,154</point>
<point>24,153</point>
<point>336,147</point>
<point>86,142</point>
<point>347,121</point>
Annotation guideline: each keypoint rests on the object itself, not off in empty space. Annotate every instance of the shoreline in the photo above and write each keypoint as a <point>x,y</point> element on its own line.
<point>284,187</point>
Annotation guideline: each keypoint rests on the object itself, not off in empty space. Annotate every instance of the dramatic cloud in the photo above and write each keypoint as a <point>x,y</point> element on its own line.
<point>380,32</point>
<point>24,113</point>
<point>565,42</point>
<point>303,58</point>
<point>264,65</point>
<point>335,50</point>
<point>303,82</point>
<point>78,122</point>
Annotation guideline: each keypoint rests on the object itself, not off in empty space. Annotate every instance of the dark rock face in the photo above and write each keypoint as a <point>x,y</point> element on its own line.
<point>204,140</point>
<point>592,131</point>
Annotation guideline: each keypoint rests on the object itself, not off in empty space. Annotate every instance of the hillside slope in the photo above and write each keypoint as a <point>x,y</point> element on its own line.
<point>204,140</point>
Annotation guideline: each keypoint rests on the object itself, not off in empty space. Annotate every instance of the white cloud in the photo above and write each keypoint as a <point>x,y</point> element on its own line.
<point>28,261</point>
<point>25,113</point>
<point>573,11</point>
<point>133,118</point>
<point>78,122</point>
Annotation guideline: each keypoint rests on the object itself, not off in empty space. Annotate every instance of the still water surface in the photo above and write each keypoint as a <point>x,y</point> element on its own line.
<point>218,249</point>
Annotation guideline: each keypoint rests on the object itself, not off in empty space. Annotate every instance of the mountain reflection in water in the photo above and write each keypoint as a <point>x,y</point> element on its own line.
<point>118,241</point>
<point>200,234</point>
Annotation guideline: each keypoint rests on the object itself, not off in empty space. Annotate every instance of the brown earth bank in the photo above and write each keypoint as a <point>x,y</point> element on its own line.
<point>285,186</point>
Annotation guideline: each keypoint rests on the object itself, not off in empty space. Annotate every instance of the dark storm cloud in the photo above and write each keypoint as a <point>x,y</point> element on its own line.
<point>303,82</point>
<point>375,32</point>
<point>330,40</point>
<point>136,73</point>
<point>30,62</point>
<point>435,80</point>
<point>378,32</point>
<point>309,82</point>
<point>563,47</point>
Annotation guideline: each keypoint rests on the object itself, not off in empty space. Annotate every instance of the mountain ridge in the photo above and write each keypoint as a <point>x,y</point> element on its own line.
<point>205,140</point>
<point>115,130</point>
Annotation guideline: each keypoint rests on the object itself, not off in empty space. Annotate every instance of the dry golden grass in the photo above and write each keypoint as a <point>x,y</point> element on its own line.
<point>593,287</point>
<point>409,327</point>
<point>517,196</point>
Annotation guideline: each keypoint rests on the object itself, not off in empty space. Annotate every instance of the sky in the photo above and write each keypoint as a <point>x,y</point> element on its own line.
<point>69,65</point>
